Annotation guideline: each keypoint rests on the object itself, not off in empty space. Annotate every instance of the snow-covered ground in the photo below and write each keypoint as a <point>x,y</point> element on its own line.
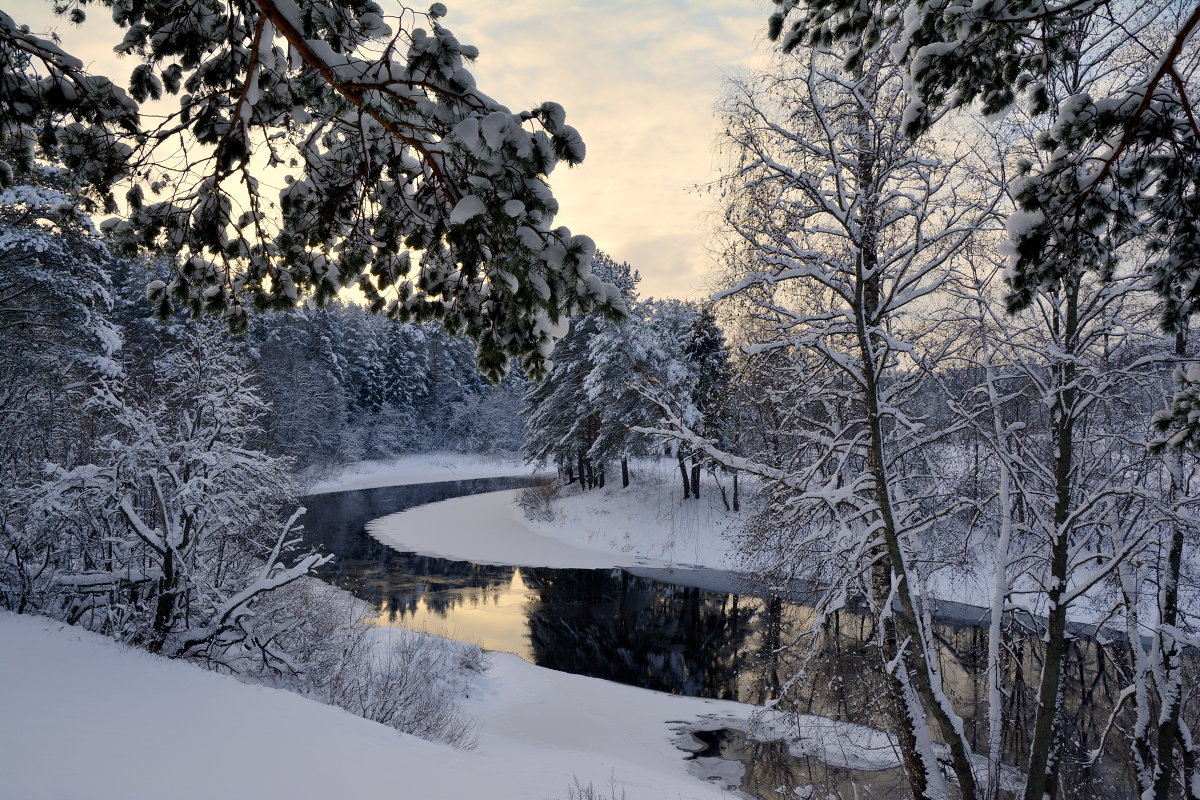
<point>647,523</point>
<point>415,468</point>
<point>85,717</point>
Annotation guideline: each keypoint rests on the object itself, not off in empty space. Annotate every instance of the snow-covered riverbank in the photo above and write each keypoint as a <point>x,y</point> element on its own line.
<point>85,717</point>
<point>415,468</point>
<point>645,524</point>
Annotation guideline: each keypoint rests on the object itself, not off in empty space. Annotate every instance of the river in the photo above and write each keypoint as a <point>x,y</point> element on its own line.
<point>705,633</point>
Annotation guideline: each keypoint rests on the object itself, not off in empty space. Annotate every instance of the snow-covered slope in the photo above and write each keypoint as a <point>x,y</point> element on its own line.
<point>84,717</point>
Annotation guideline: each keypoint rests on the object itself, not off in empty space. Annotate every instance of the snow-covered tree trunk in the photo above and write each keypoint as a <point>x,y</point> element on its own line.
<point>981,321</point>
<point>848,230</point>
<point>1045,745</point>
<point>1159,672</point>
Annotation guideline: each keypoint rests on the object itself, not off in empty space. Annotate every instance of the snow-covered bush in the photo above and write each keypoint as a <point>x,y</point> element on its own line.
<point>177,525</point>
<point>538,502</point>
<point>581,791</point>
<point>409,681</point>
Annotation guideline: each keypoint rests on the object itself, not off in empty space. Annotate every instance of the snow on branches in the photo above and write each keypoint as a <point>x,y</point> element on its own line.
<point>316,146</point>
<point>1120,144</point>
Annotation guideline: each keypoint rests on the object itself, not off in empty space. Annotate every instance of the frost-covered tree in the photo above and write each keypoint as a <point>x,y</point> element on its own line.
<point>850,231</point>
<point>864,324</point>
<point>400,177</point>
<point>55,326</point>
<point>57,338</point>
<point>1074,466</point>
<point>132,498</point>
<point>705,351</point>
<point>1122,150</point>
<point>674,380</point>
<point>635,366</point>
<point>611,377</point>
<point>174,530</point>
<point>1076,499</point>
<point>565,418</point>
<point>303,376</point>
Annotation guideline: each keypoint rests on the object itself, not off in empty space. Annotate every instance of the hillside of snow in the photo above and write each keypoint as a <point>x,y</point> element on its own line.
<point>85,717</point>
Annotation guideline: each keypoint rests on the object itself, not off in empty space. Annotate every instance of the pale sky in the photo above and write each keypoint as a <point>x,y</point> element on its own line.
<point>638,78</point>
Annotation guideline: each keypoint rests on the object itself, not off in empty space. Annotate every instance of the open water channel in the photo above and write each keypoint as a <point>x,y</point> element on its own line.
<point>688,631</point>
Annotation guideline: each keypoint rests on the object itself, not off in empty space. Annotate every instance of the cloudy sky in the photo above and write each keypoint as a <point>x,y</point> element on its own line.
<point>638,78</point>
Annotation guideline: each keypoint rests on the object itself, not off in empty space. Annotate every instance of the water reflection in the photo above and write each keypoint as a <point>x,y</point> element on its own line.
<point>493,616</point>
<point>709,639</point>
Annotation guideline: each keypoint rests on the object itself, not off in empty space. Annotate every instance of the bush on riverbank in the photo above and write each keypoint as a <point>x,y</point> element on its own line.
<point>538,502</point>
<point>403,679</point>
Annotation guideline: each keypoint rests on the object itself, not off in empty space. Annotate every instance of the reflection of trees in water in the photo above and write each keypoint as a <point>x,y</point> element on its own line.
<point>612,625</point>
<point>842,679</point>
<point>634,630</point>
<point>375,573</point>
<point>385,578</point>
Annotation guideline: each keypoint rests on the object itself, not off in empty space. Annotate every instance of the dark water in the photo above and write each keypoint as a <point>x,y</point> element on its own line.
<point>650,629</point>
<point>697,632</point>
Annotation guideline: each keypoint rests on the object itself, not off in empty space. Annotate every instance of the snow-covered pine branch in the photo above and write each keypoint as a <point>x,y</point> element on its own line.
<point>315,146</point>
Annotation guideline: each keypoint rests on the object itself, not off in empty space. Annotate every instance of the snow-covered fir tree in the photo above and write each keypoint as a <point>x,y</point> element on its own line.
<point>564,418</point>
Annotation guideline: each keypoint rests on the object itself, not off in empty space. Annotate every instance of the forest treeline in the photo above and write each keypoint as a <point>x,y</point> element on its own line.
<point>150,467</point>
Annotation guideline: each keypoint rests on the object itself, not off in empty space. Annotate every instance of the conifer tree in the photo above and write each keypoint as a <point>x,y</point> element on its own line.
<point>399,177</point>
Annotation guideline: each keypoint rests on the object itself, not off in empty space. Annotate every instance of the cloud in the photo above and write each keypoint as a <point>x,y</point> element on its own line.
<point>638,78</point>
<point>639,81</point>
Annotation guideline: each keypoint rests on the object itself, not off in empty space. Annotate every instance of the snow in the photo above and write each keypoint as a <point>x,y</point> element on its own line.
<point>485,529</point>
<point>644,524</point>
<point>85,717</point>
<point>416,468</point>
<point>467,208</point>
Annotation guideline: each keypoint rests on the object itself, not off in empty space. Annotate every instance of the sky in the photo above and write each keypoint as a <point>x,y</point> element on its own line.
<point>638,79</point>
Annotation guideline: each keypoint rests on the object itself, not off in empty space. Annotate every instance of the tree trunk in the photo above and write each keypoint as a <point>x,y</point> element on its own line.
<point>737,506</point>
<point>695,477</point>
<point>916,690</point>
<point>624,472</point>
<point>1044,747</point>
<point>1169,650</point>
<point>915,767</point>
<point>164,608</point>
<point>683,472</point>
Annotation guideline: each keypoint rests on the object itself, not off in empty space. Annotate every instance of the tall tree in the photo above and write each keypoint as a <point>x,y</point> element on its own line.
<point>852,229</point>
<point>1122,154</point>
<point>566,413</point>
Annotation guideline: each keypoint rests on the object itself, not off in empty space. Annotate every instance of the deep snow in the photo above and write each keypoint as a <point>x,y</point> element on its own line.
<point>85,717</point>
<point>645,524</point>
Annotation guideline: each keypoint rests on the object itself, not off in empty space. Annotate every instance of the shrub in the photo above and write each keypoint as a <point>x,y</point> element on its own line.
<point>537,502</point>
